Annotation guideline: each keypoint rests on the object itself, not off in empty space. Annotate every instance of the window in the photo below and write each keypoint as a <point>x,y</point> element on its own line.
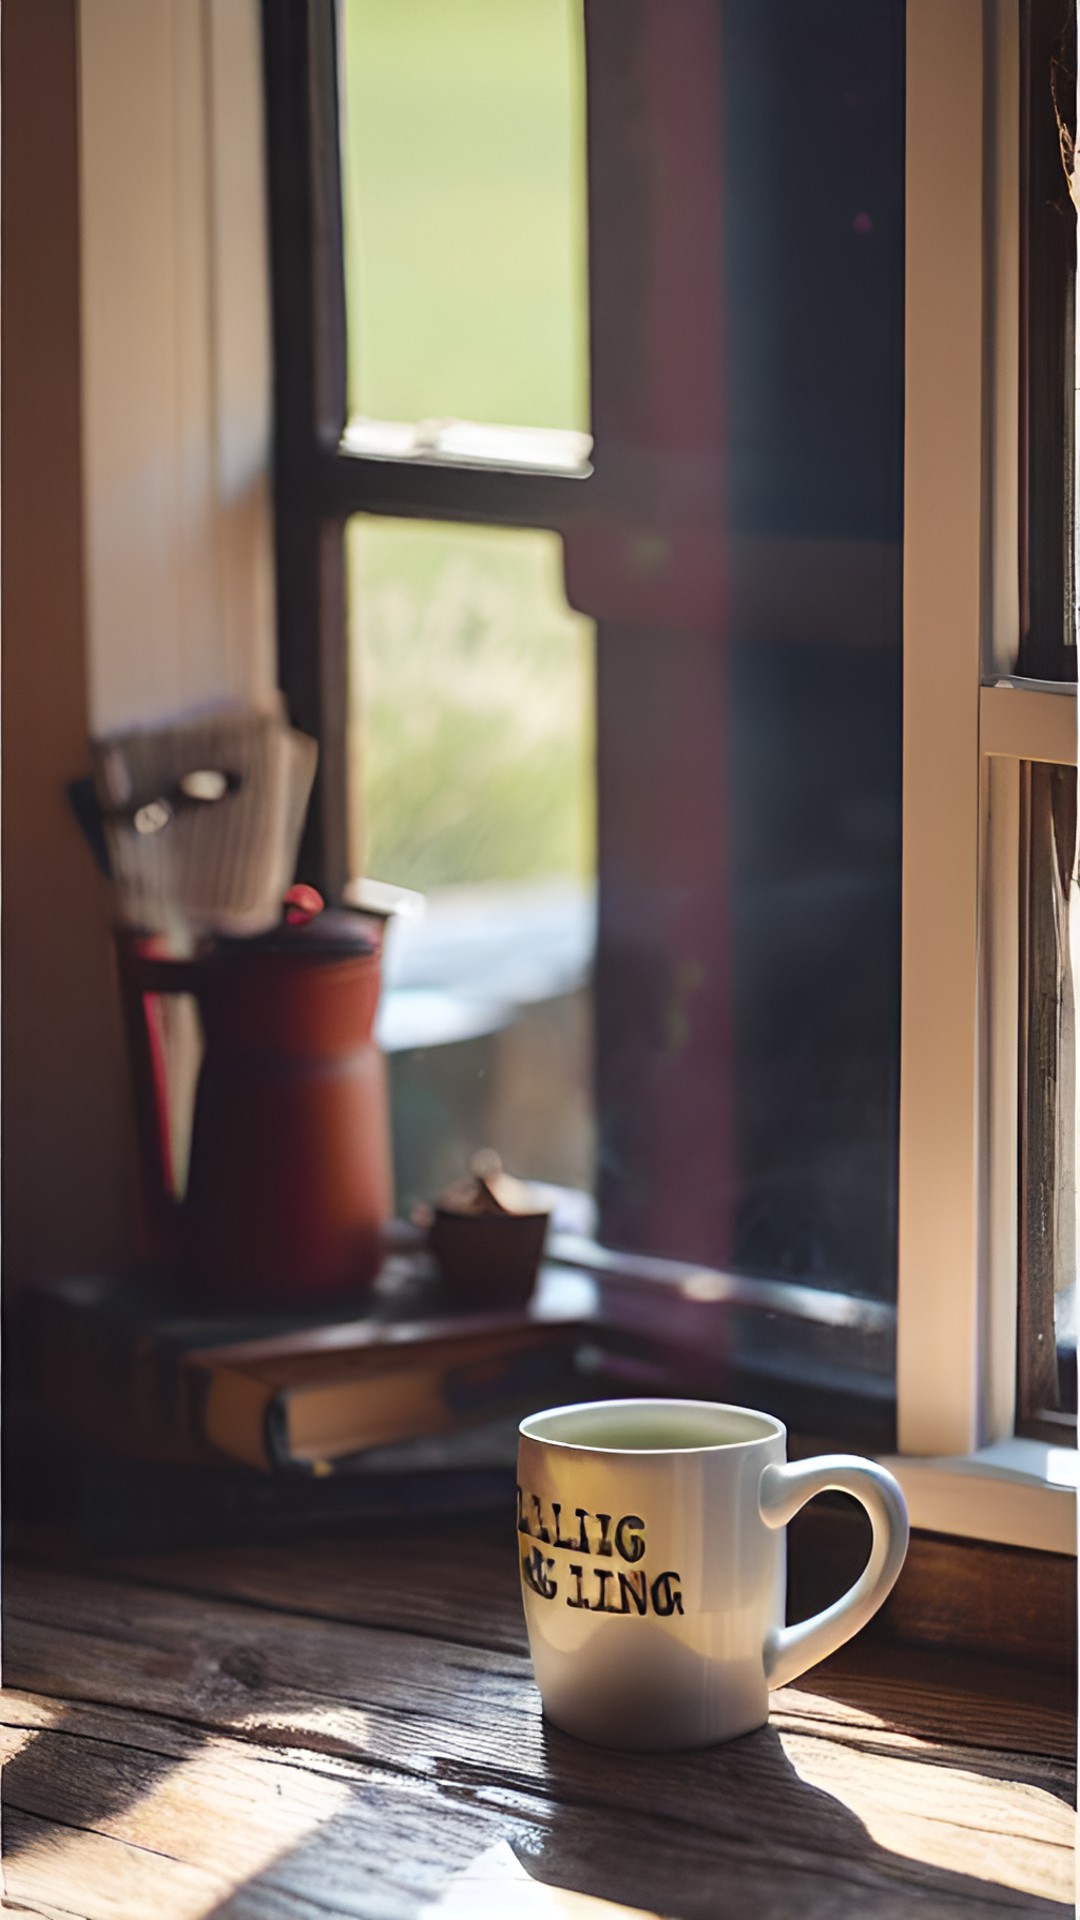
<point>990,722</point>
<point>1046,1355</point>
<point>733,532</point>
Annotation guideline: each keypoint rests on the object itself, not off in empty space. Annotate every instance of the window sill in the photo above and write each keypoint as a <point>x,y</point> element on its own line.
<point>759,1340</point>
<point>1021,1493</point>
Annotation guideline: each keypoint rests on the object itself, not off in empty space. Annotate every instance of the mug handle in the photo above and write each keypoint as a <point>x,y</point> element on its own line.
<point>783,1491</point>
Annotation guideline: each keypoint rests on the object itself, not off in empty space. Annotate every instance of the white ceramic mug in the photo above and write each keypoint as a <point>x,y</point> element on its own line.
<point>653,1566</point>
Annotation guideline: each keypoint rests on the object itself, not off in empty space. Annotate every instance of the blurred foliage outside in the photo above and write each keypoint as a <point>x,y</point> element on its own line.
<point>472,701</point>
<point>473,705</point>
<point>464,184</point>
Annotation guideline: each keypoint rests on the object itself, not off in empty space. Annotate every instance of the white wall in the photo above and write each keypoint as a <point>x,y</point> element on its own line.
<point>176,357</point>
<point>137,577</point>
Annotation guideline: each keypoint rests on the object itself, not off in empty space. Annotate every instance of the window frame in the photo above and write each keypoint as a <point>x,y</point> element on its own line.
<point>640,528</point>
<point>969,724</point>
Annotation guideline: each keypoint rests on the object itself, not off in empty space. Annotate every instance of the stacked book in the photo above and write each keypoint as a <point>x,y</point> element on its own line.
<point>188,1428</point>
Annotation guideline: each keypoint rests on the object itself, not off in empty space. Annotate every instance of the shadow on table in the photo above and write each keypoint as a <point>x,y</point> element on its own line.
<point>734,1830</point>
<point>80,1782</point>
<point>83,1790</point>
<point>741,1822</point>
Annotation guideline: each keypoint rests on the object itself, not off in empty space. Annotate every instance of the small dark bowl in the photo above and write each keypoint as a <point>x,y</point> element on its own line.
<point>491,1260</point>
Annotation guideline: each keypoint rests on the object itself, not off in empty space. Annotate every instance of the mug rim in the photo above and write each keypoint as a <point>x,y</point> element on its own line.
<point>772,1428</point>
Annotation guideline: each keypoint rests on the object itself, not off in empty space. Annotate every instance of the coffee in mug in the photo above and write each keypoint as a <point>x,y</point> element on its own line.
<point>653,1569</point>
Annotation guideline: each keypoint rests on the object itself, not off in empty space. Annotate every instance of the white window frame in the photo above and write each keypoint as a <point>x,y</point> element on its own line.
<point>968,724</point>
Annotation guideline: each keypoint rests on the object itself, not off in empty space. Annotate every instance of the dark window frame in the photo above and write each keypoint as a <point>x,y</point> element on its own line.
<point>645,557</point>
<point>1048,56</point>
<point>640,527</point>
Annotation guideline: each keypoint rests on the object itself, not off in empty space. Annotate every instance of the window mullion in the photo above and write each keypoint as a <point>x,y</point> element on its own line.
<point>437,490</point>
<point>939,1389</point>
<point>308,309</point>
<point>1028,723</point>
<point>999,1041</point>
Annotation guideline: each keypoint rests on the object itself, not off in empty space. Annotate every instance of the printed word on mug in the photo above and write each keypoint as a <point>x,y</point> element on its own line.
<point>595,1589</point>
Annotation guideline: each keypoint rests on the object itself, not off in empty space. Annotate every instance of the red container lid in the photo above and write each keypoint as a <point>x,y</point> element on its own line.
<point>331,933</point>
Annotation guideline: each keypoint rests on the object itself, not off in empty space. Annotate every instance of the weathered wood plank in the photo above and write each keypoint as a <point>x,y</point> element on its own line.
<point>229,1653</point>
<point>186,1830</point>
<point>93,1877</point>
<point>836,1809</point>
<point>423,1580</point>
<point>428,1584</point>
<point>996,1602</point>
<point>932,1696</point>
<point>221,1819</point>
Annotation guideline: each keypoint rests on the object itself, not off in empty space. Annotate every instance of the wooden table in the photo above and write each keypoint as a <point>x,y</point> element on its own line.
<point>342,1727</point>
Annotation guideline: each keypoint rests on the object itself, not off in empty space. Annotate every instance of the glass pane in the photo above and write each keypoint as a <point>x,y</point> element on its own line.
<point>1047,1343</point>
<point>465,211</point>
<point>749,783</point>
<point>472,759</point>
<point>749,954</point>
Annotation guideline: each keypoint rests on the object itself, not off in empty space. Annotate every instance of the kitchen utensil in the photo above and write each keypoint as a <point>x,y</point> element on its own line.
<point>289,1176</point>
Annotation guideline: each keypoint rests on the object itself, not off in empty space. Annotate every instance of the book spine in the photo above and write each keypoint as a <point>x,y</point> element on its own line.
<point>314,1428</point>
<point>236,1415</point>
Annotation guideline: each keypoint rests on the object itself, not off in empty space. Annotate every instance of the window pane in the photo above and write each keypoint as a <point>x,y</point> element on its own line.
<point>749,782</point>
<point>749,952</point>
<point>465,211</point>
<point>1047,1342</point>
<point>472,758</point>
